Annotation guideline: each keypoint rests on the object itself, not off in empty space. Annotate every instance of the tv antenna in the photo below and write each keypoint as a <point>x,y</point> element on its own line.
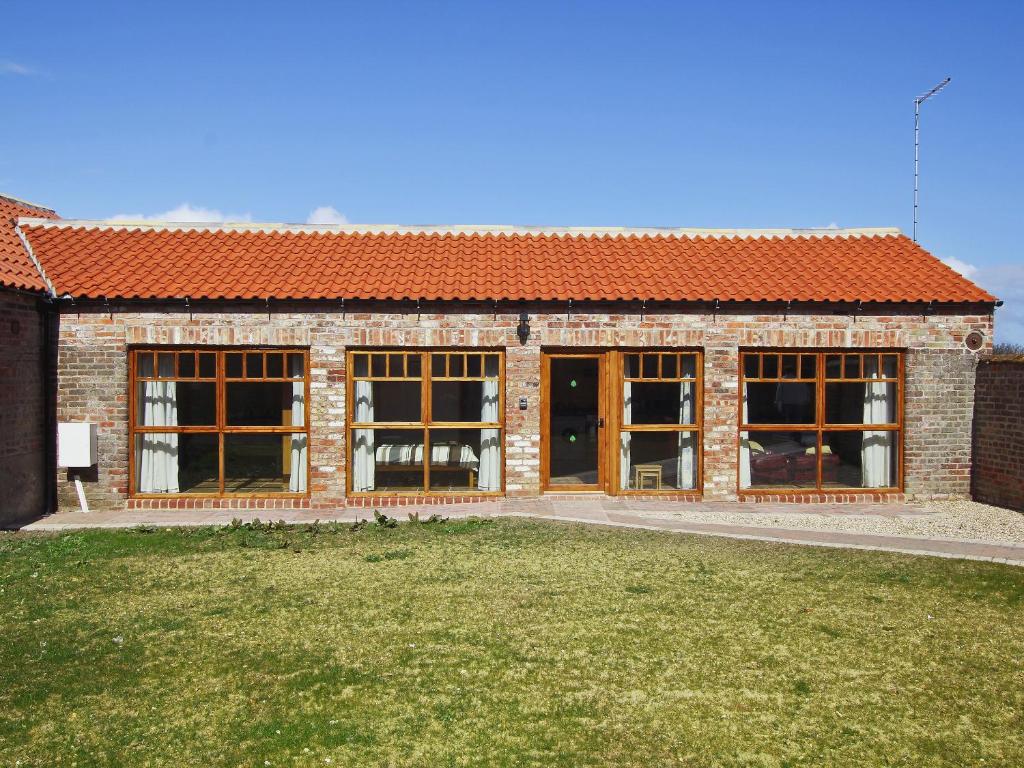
<point>917,140</point>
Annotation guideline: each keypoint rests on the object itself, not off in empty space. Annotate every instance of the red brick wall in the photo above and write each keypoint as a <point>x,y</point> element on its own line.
<point>939,401</point>
<point>22,409</point>
<point>999,433</point>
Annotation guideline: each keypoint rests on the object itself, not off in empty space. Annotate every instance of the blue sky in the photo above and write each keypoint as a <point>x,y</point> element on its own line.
<point>596,114</point>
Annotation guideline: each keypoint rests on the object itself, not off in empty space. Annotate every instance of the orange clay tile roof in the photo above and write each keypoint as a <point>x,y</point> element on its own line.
<point>102,259</point>
<point>16,267</point>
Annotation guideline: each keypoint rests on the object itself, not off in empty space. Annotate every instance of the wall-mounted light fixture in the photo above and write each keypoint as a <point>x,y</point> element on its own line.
<point>523,330</point>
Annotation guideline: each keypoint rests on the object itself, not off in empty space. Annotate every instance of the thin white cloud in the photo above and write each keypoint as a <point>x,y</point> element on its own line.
<point>1006,282</point>
<point>326,214</point>
<point>965,269</point>
<point>186,212</point>
<point>14,68</point>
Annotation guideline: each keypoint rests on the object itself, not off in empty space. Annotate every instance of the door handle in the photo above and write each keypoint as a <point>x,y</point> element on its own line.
<point>600,421</point>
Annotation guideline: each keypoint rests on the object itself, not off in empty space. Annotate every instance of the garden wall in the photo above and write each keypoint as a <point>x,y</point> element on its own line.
<point>999,433</point>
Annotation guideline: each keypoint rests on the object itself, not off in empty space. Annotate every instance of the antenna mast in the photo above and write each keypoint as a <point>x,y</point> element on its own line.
<point>917,140</point>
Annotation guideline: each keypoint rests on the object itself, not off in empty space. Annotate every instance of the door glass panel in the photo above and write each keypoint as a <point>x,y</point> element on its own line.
<point>573,419</point>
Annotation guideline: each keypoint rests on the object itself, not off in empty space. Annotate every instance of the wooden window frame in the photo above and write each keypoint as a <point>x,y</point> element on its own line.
<point>220,428</point>
<point>820,426</point>
<point>426,422</point>
<point>618,360</point>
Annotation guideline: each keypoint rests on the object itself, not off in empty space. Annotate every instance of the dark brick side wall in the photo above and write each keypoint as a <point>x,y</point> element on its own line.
<point>999,433</point>
<point>23,454</point>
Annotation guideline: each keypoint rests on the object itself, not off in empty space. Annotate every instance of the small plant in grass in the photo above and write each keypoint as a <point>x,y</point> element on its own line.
<point>383,521</point>
<point>414,517</point>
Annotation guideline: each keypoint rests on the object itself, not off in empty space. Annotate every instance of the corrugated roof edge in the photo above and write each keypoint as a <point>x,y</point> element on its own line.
<point>458,229</point>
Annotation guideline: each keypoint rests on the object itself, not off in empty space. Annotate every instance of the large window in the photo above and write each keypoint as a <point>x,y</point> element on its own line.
<point>820,420</point>
<point>659,435</point>
<point>425,422</point>
<point>219,422</point>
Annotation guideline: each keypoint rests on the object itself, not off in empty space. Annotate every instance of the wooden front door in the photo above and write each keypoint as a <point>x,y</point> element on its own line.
<point>573,422</point>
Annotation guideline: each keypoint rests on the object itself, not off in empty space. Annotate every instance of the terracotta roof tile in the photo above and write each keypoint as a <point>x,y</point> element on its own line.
<point>266,261</point>
<point>16,267</point>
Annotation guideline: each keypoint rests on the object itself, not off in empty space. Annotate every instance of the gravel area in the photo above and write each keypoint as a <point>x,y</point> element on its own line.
<point>967,520</point>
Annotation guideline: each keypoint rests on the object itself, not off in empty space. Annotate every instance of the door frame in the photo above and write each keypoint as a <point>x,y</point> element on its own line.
<point>604,484</point>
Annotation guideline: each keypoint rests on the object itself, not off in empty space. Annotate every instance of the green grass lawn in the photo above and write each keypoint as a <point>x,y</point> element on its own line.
<point>500,643</point>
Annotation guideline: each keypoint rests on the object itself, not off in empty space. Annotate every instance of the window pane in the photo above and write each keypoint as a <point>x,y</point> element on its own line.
<point>650,366</point>
<point>264,404</point>
<point>658,461</point>
<point>233,364</point>
<point>387,401</point>
<point>264,463</point>
<point>396,365</point>
<point>688,366</point>
<point>789,367</point>
<point>871,366</point>
<point>778,459</point>
<point>852,367</point>
<point>437,365</point>
<point>787,402</point>
<point>207,365</point>
<point>492,366</point>
<point>168,463</point>
<point>254,365</point>
<point>656,402</point>
<point>275,365</point>
<point>890,366</point>
<point>175,403</point>
<point>387,459</point>
<point>462,401</point>
<point>669,366</point>
<point>860,459</point>
<point>473,367</point>
<point>144,364</point>
<point>833,366</point>
<point>751,366</point>
<point>412,366</point>
<point>456,365</point>
<point>187,365</point>
<point>631,366</point>
<point>808,366</point>
<point>465,460</point>
<point>360,365</point>
<point>770,367</point>
<point>860,403</point>
<point>165,364</point>
<point>378,365</point>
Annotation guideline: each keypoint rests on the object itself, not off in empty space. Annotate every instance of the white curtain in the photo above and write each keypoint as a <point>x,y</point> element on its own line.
<point>687,440</point>
<point>363,450</point>
<point>489,473</point>
<point>744,447</point>
<point>157,456</point>
<point>876,451</point>
<point>625,438</point>
<point>297,476</point>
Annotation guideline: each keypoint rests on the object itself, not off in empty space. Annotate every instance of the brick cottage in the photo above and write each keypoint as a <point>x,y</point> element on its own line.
<point>274,366</point>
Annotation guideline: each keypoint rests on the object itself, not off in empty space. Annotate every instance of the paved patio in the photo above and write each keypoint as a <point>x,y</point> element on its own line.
<point>744,521</point>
